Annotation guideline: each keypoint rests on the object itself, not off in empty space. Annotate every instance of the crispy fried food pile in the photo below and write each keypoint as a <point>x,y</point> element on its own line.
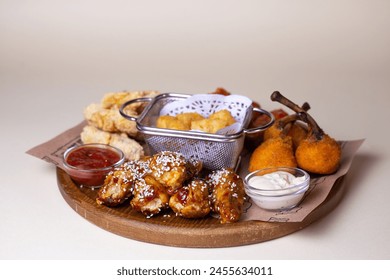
<point>192,200</point>
<point>107,126</point>
<point>195,121</point>
<point>317,152</point>
<point>167,180</point>
<point>279,143</point>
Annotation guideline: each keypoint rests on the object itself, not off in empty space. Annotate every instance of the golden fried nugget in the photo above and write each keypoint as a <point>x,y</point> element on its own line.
<point>208,125</point>
<point>187,118</point>
<point>223,115</point>
<point>171,122</point>
<point>214,122</point>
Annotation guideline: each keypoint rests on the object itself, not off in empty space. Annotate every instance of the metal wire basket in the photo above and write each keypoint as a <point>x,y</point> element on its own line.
<point>216,151</point>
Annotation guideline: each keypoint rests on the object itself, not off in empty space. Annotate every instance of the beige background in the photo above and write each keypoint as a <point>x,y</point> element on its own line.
<point>56,57</point>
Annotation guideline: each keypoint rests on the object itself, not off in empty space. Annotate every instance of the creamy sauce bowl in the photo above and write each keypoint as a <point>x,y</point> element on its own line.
<point>279,188</point>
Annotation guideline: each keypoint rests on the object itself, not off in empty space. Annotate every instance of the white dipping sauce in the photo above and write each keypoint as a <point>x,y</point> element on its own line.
<point>278,180</point>
<point>275,190</point>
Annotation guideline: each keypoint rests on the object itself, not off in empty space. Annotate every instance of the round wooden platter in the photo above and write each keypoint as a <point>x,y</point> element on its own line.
<point>171,230</point>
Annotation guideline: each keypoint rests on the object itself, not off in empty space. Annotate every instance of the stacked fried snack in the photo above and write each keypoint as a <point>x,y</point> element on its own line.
<point>296,141</point>
<point>167,180</point>
<point>107,126</point>
<point>194,121</point>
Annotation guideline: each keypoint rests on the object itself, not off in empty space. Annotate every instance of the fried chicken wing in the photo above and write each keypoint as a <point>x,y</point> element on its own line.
<point>192,200</point>
<point>150,197</point>
<point>169,169</point>
<point>227,194</point>
<point>193,168</point>
<point>118,187</point>
<point>119,184</point>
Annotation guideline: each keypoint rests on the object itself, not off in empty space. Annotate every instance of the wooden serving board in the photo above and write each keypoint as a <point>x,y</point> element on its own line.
<point>171,230</point>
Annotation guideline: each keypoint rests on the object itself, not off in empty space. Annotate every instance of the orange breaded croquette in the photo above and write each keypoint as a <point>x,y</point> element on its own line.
<point>275,152</point>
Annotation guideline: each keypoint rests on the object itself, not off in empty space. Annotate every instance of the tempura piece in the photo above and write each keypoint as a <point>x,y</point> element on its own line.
<point>110,120</point>
<point>105,115</point>
<point>188,118</point>
<point>131,148</point>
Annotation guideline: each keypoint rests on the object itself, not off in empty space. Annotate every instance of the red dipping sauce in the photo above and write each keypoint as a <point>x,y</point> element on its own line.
<point>89,164</point>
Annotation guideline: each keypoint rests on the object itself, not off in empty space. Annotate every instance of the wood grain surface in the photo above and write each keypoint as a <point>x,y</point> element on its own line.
<point>175,231</point>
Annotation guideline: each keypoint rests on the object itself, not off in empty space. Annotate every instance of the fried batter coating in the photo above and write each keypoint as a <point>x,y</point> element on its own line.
<point>214,122</point>
<point>195,121</point>
<point>289,125</point>
<point>119,183</point>
<point>317,152</point>
<point>105,115</point>
<point>319,156</point>
<point>193,168</point>
<point>179,122</point>
<point>169,169</point>
<point>227,194</point>
<point>150,197</point>
<point>275,152</point>
<point>117,187</point>
<point>188,118</point>
<point>298,132</point>
<point>114,100</point>
<point>192,200</point>
<point>131,148</point>
<point>223,115</point>
<point>110,120</point>
<point>171,122</point>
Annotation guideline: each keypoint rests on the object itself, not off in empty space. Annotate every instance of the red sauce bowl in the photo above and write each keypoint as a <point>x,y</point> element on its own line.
<point>88,164</point>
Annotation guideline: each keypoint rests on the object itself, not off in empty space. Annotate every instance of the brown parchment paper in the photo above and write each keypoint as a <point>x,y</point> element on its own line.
<point>320,186</point>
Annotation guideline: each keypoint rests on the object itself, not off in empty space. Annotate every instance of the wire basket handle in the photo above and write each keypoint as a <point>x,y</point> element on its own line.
<point>262,127</point>
<point>136,100</point>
